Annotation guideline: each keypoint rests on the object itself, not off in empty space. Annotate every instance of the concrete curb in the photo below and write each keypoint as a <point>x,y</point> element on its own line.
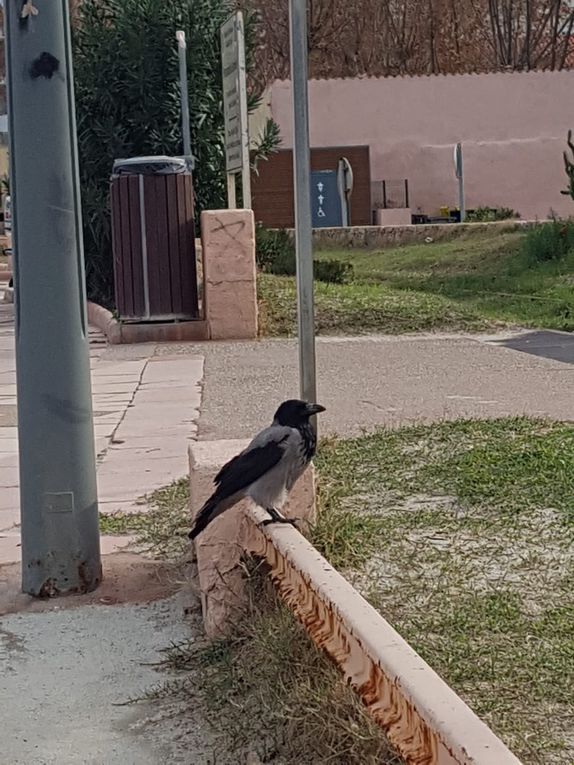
<point>422,716</point>
<point>102,319</point>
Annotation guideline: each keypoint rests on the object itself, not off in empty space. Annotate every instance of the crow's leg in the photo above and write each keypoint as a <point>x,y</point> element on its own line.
<point>277,518</point>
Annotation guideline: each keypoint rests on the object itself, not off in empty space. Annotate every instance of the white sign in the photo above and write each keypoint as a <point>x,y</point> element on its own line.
<point>234,94</point>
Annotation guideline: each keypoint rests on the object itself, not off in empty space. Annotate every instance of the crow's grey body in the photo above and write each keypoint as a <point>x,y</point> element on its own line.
<point>272,488</point>
<point>268,468</point>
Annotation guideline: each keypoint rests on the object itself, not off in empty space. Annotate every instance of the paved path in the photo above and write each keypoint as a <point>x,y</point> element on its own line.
<point>371,381</point>
<point>66,664</point>
<point>145,414</point>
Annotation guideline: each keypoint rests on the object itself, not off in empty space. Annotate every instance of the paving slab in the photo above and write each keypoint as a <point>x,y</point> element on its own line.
<point>153,428</point>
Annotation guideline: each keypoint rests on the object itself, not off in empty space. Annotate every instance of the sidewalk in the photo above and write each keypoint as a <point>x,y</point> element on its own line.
<point>69,665</point>
<point>145,413</point>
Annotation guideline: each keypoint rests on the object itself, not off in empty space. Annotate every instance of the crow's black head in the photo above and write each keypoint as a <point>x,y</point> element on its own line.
<point>294,412</point>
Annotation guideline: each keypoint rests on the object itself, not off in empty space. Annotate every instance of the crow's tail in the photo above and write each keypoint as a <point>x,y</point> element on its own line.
<point>207,513</point>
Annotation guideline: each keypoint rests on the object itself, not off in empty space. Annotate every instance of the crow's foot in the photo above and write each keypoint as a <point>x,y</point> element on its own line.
<point>277,518</point>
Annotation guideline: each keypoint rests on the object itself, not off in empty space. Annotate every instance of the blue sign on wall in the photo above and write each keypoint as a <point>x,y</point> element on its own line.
<point>325,199</point>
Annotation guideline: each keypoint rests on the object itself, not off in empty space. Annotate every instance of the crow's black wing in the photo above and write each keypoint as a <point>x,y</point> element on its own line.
<point>247,467</point>
<point>262,454</point>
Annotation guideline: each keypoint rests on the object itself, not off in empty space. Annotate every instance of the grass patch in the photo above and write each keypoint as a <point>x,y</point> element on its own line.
<point>359,308</point>
<point>277,692</point>
<point>470,284</point>
<point>162,528</point>
<point>474,563</point>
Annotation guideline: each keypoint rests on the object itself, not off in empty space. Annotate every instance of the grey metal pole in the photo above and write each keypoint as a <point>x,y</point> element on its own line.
<point>459,168</point>
<point>184,94</point>
<point>302,176</point>
<point>58,496</point>
<point>461,202</point>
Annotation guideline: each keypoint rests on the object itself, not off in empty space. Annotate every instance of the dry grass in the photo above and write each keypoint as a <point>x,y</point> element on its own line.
<point>268,688</point>
<point>462,535</point>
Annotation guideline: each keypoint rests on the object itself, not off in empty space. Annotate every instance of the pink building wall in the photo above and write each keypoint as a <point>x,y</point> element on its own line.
<point>513,128</point>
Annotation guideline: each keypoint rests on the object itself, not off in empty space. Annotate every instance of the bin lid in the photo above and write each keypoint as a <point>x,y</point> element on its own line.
<point>149,166</point>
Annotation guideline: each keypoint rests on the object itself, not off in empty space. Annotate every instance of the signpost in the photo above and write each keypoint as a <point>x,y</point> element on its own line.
<point>458,170</point>
<point>235,108</point>
<point>302,176</point>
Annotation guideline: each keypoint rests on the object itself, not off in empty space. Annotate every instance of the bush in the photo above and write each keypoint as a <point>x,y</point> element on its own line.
<point>275,251</point>
<point>275,254</point>
<point>127,103</point>
<point>549,241</point>
<point>491,214</point>
<point>332,271</point>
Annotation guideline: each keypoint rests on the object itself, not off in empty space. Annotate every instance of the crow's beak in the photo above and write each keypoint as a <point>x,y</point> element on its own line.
<point>315,408</point>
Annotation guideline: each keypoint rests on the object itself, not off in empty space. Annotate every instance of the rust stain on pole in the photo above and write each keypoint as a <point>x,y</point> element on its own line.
<point>426,722</point>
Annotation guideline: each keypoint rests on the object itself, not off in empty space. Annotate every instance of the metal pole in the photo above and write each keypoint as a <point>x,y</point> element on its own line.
<point>242,75</point>
<point>184,95</point>
<point>58,496</point>
<point>459,170</point>
<point>302,176</point>
<point>231,195</point>
<point>461,202</point>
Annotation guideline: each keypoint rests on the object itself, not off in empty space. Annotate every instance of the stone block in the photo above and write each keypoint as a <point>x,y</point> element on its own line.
<point>219,548</point>
<point>228,242</point>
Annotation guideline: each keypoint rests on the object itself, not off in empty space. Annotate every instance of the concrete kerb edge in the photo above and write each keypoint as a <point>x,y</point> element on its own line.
<point>424,719</point>
<point>104,320</point>
<point>421,715</point>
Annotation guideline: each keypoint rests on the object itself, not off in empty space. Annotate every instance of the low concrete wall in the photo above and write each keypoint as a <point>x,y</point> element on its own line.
<point>393,236</point>
<point>424,719</point>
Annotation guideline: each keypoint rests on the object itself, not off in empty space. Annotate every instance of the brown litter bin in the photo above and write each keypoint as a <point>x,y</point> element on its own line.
<point>153,236</point>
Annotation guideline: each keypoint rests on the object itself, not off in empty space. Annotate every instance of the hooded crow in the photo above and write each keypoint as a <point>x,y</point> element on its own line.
<point>268,468</point>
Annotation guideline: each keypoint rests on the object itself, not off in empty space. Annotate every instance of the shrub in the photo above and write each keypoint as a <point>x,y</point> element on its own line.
<point>332,271</point>
<point>275,254</point>
<point>549,241</point>
<point>127,103</point>
<point>491,214</point>
<point>275,251</point>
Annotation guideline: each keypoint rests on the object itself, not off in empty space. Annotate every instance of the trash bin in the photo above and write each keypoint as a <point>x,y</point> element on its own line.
<point>153,239</point>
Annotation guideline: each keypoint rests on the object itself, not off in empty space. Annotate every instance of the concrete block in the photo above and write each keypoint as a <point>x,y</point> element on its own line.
<point>399,216</point>
<point>220,547</point>
<point>228,242</point>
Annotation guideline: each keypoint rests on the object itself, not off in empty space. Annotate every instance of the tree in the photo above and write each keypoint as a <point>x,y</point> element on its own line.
<point>127,104</point>
<point>417,37</point>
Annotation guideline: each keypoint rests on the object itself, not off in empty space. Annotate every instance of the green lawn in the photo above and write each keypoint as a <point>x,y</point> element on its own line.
<point>462,535</point>
<point>471,284</point>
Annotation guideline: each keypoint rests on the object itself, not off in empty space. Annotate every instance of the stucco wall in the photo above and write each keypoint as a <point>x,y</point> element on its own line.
<point>513,128</point>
